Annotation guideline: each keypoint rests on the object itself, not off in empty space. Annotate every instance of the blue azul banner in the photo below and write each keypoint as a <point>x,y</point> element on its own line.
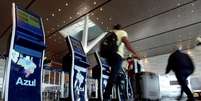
<point>25,78</point>
<point>25,62</point>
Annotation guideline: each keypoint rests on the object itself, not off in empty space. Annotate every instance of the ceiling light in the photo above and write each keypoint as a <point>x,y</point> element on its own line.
<point>101,22</point>
<point>178,4</point>
<point>101,9</point>
<point>178,15</point>
<point>94,2</point>
<point>64,22</point>
<point>70,17</point>
<point>146,61</point>
<point>52,14</point>
<point>97,18</point>
<point>78,13</point>
<point>110,19</point>
<point>85,8</point>
<point>66,4</point>
<point>189,52</point>
<point>47,19</point>
<point>59,10</point>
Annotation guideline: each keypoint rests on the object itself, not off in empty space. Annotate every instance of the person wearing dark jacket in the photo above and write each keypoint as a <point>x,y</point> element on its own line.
<point>182,65</point>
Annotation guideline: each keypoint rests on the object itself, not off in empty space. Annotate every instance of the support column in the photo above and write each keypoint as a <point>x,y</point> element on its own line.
<point>85,33</point>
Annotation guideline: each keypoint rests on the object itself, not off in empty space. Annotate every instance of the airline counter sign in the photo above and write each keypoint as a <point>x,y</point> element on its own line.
<point>25,78</point>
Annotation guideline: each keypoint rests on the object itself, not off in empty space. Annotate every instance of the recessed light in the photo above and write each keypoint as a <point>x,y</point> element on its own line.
<point>59,9</point>
<point>78,13</point>
<point>178,4</point>
<point>64,22</point>
<point>110,19</point>
<point>85,8</point>
<point>52,14</point>
<point>92,13</point>
<point>47,19</point>
<point>101,22</point>
<point>192,11</point>
<point>70,17</point>
<point>178,15</point>
<point>101,9</point>
<point>94,2</point>
<point>66,4</point>
<point>97,18</point>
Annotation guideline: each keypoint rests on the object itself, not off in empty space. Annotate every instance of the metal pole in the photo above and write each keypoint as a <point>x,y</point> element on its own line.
<point>85,33</point>
<point>62,84</point>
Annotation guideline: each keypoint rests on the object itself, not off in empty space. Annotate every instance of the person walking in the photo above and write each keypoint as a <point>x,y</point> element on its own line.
<point>182,65</point>
<point>115,59</point>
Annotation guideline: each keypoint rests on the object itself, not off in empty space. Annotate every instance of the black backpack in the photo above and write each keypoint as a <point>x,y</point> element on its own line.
<point>108,45</point>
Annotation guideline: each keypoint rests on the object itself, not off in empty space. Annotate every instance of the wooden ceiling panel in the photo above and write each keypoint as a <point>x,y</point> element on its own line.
<point>59,13</point>
<point>6,12</point>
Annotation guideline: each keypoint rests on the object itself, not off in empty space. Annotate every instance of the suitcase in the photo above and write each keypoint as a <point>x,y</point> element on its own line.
<point>147,86</point>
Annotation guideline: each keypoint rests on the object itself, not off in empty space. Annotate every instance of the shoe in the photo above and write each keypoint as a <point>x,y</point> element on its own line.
<point>190,99</point>
<point>179,98</point>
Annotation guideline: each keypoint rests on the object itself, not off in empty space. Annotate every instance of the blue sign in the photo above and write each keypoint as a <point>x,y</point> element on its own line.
<point>79,81</point>
<point>25,60</point>
<point>25,76</point>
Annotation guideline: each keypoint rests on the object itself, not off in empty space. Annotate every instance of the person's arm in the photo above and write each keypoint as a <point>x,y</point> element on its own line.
<point>129,47</point>
<point>169,65</point>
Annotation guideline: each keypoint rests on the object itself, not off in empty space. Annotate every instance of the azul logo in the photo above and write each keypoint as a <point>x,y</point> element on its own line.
<point>24,82</point>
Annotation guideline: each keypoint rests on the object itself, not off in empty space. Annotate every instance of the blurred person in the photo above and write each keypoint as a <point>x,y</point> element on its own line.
<point>115,59</point>
<point>182,65</point>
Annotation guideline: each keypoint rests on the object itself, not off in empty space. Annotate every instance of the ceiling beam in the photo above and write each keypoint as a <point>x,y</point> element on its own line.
<point>161,13</point>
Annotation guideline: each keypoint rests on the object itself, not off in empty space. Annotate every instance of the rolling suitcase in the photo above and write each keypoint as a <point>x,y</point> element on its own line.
<point>147,86</point>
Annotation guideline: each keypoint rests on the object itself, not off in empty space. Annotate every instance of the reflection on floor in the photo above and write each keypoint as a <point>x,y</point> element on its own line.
<point>174,99</point>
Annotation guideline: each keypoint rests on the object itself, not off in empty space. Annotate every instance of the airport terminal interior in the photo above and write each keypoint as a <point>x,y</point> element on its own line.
<point>50,49</point>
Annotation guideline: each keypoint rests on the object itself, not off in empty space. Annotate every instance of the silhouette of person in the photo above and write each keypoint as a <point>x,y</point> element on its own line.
<point>115,60</point>
<point>182,65</point>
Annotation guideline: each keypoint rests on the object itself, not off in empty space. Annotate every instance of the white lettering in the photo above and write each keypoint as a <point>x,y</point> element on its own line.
<point>22,82</point>
<point>19,81</point>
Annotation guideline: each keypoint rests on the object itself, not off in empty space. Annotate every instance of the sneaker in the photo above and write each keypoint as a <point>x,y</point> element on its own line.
<point>190,99</point>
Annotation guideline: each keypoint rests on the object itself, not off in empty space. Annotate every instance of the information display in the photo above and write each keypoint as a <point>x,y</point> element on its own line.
<point>25,61</point>
<point>79,81</point>
<point>29,22</point>
<point>77,47</point>
<point>25,78</point>
<point>78,72</point>
<point>105,74</point>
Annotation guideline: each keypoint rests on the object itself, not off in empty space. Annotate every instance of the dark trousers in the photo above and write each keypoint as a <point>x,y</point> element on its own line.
<point>115,61</point>
<point>182,79</point>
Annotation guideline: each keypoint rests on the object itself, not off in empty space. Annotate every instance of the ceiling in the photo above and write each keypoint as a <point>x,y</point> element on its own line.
<point>155,27</point>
